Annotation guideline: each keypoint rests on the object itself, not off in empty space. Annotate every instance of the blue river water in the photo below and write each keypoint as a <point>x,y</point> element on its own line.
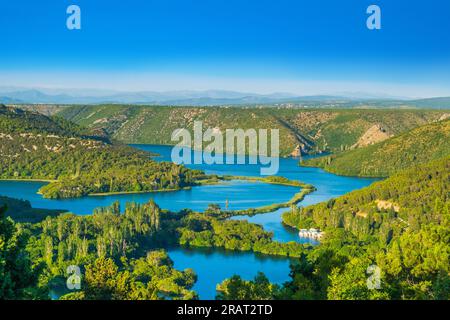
<point>213,266</point>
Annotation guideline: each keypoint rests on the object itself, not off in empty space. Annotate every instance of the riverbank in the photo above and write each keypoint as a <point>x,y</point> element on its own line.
<point>215,180</point>
<point>27,180</point>
<point>315,164</point>
<point>282,181</point>
<point>298,197</point>
<point>136,192</point>
<point>241,195</point>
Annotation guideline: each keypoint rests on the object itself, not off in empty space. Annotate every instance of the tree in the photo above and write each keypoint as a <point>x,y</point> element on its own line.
<point>100,279</point>
<point>236,288</point>
<point>350,283</point>
<point>17,279</point>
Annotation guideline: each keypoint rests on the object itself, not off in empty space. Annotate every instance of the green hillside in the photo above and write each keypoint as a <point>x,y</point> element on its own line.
<point>408,199</point>
<point>34,146</point>
<point>399,226</point>
<point>417,146</point>
<point>312,131</point>
<point>14,120</point>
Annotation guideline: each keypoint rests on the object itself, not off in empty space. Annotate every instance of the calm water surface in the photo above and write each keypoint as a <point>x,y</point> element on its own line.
<point>213,266</point>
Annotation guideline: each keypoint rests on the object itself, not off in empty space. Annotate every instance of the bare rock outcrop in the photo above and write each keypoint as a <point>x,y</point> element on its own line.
<point>375,134</point>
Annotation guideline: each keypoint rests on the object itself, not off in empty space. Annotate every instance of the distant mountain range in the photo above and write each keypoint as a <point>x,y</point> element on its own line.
<point>11,95</point>
<point>190,98</point>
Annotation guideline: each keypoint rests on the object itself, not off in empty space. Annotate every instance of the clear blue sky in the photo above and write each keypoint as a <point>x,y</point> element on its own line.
<point>305,47</point>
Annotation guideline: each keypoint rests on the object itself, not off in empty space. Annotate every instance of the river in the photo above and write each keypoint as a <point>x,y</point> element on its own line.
<point>213,266</point>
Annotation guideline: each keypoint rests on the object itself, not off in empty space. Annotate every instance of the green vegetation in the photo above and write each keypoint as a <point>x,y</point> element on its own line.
<point>115,251</point>
<point>114,169</point>
<point>18,278</point>
<point>417,146</point>
<point>283,181</point>
<point>21,211</point>
<point>402,225</point>
<point>313,131</point>
<point>120,253</point>
<point>384,209</point>
<point>13,120</point>
<point>149,278</point>
<point>272,207</point>
<point>299,196</point>
<point>36,147</point>
<point>237,289</point>
<point>203,230</point>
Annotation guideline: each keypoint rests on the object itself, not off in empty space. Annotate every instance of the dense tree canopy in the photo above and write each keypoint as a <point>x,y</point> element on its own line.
<point>17,277</point>
<point>33,146</point>
<point>417,146</point>
<point>401,225</point>
<point>396,231</point>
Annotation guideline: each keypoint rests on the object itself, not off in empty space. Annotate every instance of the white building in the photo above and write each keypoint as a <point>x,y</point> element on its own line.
<point>311,233</point>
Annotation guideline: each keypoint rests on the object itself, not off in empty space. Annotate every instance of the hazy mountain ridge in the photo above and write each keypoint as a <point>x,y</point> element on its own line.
<point>211,98</point>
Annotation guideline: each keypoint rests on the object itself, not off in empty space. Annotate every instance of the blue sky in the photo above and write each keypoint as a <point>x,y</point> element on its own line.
<point>304,47</point>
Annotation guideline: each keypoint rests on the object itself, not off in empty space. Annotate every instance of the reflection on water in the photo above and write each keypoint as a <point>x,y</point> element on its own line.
<point>214,266</point>
<point>328,186</point>
<point>240,195</point>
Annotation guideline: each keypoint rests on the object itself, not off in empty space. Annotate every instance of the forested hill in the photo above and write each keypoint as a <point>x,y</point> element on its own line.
<point>14,120</point>
<point>400,226</point>
<point>33,146</point>
<point>417,146</point>
<point>306,130</point>
<point>406,200</point>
